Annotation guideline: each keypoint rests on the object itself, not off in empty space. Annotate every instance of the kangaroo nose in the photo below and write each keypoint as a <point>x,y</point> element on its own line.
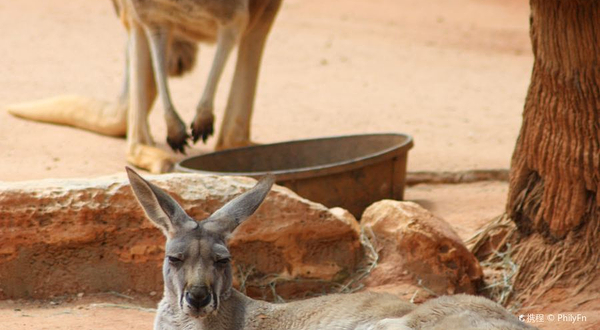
<point>197,296</point>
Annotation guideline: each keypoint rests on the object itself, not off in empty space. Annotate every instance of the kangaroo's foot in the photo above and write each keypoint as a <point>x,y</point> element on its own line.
<point>149,158</point>
<point>202,126</point>
<point>235,133</point>
<point>177,135</point>
<point>235,144</point>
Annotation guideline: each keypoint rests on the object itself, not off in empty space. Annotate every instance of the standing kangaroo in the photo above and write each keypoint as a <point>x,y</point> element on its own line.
<point>198,293</point>
<point>162,37</point>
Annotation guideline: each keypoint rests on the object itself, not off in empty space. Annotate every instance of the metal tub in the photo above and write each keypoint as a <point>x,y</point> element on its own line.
<point>351,171</point>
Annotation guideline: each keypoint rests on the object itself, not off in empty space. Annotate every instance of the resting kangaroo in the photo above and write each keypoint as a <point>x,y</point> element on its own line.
<point>162,37</point>
<point>198,293</point>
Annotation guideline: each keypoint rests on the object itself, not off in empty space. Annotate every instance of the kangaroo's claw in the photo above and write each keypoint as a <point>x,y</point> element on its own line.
<point>202,128</point>
<point>179,143</point>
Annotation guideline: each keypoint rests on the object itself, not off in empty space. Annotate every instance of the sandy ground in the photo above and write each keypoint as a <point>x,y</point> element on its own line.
<point>103,311</point>
<point>109,312</point>
<point>453,74</point>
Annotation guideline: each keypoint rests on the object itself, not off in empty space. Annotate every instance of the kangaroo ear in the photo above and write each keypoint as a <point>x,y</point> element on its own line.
<point>232,214</point>
<point>160,208</point>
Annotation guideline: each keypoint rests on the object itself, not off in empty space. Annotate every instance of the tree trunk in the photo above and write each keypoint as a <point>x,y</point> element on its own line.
<point>550,237</point>
<point>553,196</point>
<point>555,170</point>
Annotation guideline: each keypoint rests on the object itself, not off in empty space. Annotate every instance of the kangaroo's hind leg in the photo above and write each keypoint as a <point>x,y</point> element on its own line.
<point>235,129</point>
<point>142,92</point>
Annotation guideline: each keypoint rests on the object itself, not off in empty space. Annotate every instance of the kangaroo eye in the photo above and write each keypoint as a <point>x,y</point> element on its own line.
<point>223,261</point>
<point>174,260</point>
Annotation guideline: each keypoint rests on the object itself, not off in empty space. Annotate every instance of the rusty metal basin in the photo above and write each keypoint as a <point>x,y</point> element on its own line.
<point>351,171</point>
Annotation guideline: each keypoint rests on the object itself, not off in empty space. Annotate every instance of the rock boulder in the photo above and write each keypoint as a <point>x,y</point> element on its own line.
<point>418,249</point>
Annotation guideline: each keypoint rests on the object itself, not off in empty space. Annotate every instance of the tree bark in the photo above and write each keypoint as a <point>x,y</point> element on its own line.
<point>555,171</point>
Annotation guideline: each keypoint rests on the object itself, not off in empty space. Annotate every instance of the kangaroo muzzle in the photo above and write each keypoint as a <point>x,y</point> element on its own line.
<point>198,297</point>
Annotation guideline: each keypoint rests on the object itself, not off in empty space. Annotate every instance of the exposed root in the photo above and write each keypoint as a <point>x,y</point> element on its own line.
<point>573,262</point>
<point>486,241</point>
<point>531,265</point>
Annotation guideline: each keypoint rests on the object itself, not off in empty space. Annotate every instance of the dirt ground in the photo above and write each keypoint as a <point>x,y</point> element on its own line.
<point>453,74</point>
